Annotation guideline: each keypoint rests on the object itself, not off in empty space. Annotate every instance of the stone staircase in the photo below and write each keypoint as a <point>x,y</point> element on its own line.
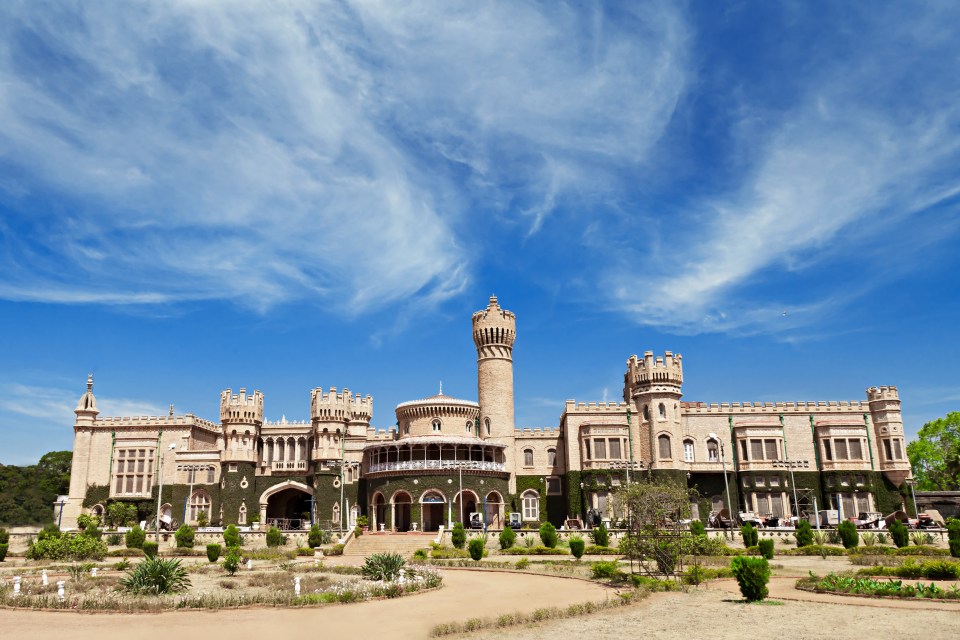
<point>403,543</point>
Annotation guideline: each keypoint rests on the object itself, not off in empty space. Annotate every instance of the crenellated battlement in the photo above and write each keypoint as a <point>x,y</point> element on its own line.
<point>187,420</point>
<point>774,408</point>
<point>494,330</point>
<point>572,406</point>
<point>241,408</point>
<point>882,393</point>
<point>334,406</point>
<point>643,373</point>
<point>537,432</point>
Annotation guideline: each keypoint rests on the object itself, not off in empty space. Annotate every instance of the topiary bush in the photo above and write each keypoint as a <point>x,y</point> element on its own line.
<point>752,575</point>
<point>848,534</point>
<point>213,551</point>
<point>156,576</point>
<point>548,535</point>
<point>135,538</point>
<point>766,548</point>
<point>231,562</point>
<point>476,549</point>
<point>458,537</point>
<point>150,549</point>
<point>697,528</point>
<point>4,536</point>
<point>606,570</point>
<point>507,538</point>
<point>804,534</point>
<point>749,534</point>
<point>600,535</point>
<point>185,537</point>
<point>577,546</point>
<point>232,537</point>
<point>317,537</point>
<point>383,566</point>
<point>275,538</point>
<point>899,533</point>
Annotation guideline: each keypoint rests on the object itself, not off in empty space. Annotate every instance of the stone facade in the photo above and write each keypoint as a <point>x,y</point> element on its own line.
<point>449,459</point>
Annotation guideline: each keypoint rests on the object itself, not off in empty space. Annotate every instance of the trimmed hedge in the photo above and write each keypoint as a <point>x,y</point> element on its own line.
<point>752,575</point>
<point>538,550</point>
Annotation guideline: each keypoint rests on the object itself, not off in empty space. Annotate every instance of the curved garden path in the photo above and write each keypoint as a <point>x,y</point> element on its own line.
<point>465,594</point>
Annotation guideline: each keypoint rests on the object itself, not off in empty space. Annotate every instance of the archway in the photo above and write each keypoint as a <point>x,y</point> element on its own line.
<point>401,502</point>
<point>287,505</point>
<point>432,509</point>
<point>379,512</point>
<point>464,505</point>
<point>494,510</point>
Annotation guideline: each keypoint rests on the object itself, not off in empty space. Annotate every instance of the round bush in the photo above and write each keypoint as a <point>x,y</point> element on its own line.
<point>804,534</point>
<point>458,536</point>
<point>697,528</point>
<point>600,535</point>
<point>213,552</point>
<point>184,537</point>
<point>150,549</point>
<point>899,533</point>
<point>577,547</point>
<point>766,548</point>
<point>232,537</point>
<point>476,549</point>
<point>275,538</point>
<point>507,538</point>
<point>135,538</point>
<point>752,575</point>
<point>317,537</point>
<point>848,534</point>
<point>548,535</point>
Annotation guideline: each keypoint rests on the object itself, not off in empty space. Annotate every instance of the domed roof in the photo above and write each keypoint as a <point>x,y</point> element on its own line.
<point>439,400</point>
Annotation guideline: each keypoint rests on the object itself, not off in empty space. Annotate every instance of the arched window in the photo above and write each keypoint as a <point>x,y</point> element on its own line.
<point>688,450</point>
<point>528,457</point>
<point>406,428</point>
<point>713,451</point>
<point>646,413</point>
<point>531,505</point>
<point>551,457</point>
<point>486,425</point>
<point>210,472</point>
<point>469,426</point>
<point>335,513</point>
<point>664,442</point>
<point>199,501</point>
<point>663,411</point>
<point>436,424</point>
<point>242,515</point>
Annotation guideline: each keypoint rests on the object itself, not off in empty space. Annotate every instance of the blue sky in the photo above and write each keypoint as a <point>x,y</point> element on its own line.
<point>195,196</point>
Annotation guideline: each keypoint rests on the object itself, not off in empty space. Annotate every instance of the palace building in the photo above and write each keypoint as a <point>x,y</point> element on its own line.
<point>775,457</point>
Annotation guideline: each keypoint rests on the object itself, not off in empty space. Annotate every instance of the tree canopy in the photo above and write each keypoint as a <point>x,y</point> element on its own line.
<point>27,493</point>
<point>935,454</point>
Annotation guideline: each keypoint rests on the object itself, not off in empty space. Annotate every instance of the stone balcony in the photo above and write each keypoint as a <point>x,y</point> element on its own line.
<point>436,465</point>
<point>845,465</point>
<point>775,465</point>
<point>288,466</point>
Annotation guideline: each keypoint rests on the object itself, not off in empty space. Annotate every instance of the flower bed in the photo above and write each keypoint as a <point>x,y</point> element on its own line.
<point>890,588</point>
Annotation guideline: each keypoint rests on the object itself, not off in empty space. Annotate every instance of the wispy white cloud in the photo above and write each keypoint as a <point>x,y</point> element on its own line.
<point>325,151</point>
<point>56,405</point>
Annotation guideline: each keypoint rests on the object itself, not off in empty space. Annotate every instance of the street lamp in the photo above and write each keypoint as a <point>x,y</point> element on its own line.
<point>173,445</point>
<point>911,482</point>
<point>725,483</point>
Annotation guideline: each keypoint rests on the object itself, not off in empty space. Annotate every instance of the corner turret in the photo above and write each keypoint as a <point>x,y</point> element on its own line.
<point>241,417</point>
<point>86,410</point>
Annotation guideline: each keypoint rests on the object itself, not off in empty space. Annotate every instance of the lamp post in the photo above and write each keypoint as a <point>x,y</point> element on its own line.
<point>173,445</point>
<point>726,485</point>
<point>192,470</point>
<point>911,482</point>
<point>796,503</point>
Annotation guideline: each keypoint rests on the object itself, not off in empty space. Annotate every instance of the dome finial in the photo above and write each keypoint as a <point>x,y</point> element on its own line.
<point>89,382</point>
<point>441,387</point>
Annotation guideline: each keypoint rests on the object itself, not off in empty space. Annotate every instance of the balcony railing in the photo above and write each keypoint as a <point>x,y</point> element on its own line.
<point>420,465</point>
<point>612,464</point>
<point>288,465</point>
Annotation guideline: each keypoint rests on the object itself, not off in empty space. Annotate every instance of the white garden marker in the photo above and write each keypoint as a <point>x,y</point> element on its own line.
<point>93,572</point>
<point>249,564</point>
<point>16,585</point>
<point>60,595</point>
<point>296,585</point>
<point>44,580</point>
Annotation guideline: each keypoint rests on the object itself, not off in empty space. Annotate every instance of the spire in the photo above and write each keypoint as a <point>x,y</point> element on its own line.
<point>494,304</point>
<point>441,387</point>
<point>87,407</point>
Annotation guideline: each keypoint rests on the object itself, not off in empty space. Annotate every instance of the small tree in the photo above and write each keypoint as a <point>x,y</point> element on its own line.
<point>548,535</point>
<point>576,546</point>
<point>458,536</point>
<point>848,534</point>
<point>697,528</point>
<point>766,548</point>
<point>600,535</point>
<point>232,537</point>
<point>317,537</point>
<point>213,551</point>
<point>752,575</point>
<point>899,533</point>
<point>150,549</point>
<point>507,538</point>
<point>804,534</point>
<point>275,538</point>
<point>476,548</point>
<point>231,562</point>
<point>184,537</point>
<point>750,535</point>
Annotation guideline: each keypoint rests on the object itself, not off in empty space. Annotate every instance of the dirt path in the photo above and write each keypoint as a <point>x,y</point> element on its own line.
<point>465,594</point>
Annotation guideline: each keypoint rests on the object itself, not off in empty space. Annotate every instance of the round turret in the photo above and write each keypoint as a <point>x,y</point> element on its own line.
<point>439,415</point>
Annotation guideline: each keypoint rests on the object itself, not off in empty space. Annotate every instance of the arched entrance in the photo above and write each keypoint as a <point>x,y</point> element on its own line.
<point>401,503</point>
<point>464,505</point>
<point>494,510</point>
<point>379,511</point>
<point>287,505</point>
<point>432,508</point>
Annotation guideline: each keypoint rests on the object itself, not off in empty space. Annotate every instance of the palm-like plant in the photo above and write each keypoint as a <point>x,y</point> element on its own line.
<point>156,576</point>
<point>383,566</point>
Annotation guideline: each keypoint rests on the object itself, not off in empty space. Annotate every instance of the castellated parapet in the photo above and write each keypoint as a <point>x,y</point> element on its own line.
<point>494,331</point>
<point>649,371</point>
<point>342,407</point>
<point>241,408</point>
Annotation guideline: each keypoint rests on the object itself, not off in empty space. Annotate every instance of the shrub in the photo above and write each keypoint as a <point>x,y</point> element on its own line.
<point>87,521</point>
<point>882,538</point>
<point>67,547</point>
<point>548,534</point>
<point>848,534</point>
<point>458,536</point>
<point>749,534</point>
<point>606,570</point>
<point>522,564</point>
<point>868,539</point>
<point>335,550</point>
<point>156,576</point>
<point>600,536</point>
<point>899,533</point>
<point>954,548</point>
<point>3,550</point>
<point>577,547</point>
<point>941,570</point>
<point>752,575</point>
<point>213,552</point>
<point>697,528</point>
<point>317,537</point>
<point>383,566</point>
<point>184,537</point>
<point>420,554</point>
<point>476,549</point>
<point>150,549</point>
<point>120,514</point>
<point>232,537</point>
<point>507,538</point>
<point>766,548</point>
<point>49,531</point>
<point>135,538</point>
<point>275,538</point>
<point>114,539</point>
<point>231,561</point>
<point>594,550</point>
<point>4,536</point>
<point>202,519</point>
<point>804,534</point>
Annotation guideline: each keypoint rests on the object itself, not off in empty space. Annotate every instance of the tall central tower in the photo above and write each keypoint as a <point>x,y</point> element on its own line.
<point>494,331</point>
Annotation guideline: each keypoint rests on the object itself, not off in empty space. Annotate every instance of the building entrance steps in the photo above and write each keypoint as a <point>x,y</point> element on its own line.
<point>403,543</point>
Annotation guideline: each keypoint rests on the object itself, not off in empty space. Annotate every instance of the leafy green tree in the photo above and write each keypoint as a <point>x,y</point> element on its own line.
<point>935,454</point>
<point>27,493</point>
